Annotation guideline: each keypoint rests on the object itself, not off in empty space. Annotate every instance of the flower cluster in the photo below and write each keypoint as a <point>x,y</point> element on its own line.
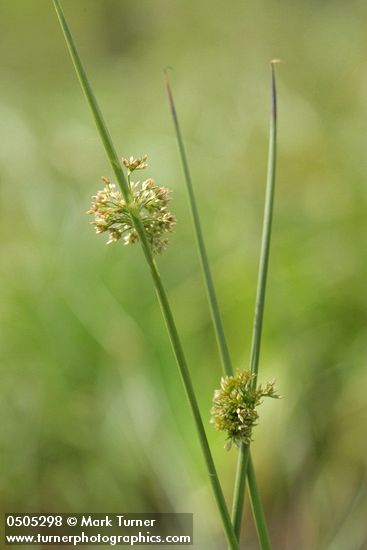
<point>148,202</point>
<point>234,406</point>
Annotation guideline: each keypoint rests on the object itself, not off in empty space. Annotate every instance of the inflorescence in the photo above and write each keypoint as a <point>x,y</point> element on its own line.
<point>113,214</point>
<point>234,406</point>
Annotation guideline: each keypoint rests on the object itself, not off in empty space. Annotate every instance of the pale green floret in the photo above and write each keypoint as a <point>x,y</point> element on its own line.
<point>135,164</point>
<point>234,406</point>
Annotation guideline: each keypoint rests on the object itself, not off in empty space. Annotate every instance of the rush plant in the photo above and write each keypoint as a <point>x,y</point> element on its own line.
<point>135,212</point>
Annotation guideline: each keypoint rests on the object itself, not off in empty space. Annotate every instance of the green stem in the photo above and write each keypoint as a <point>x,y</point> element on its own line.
<point>259,314</point>
<point>266,233</point>
<point>90,97</point>
<point>213,302</point>
<point>186,379</point>
<point>257,508</point>
<point>160,291</point>
<point>239,489</point>
<point>227,366</point>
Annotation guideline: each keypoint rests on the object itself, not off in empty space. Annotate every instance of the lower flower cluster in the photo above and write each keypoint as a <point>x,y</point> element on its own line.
<point>234,406</point>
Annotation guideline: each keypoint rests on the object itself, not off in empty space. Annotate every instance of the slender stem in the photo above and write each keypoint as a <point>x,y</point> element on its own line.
<point>160,291</point>
<point>239,489</point>
<point>90,97</point>
<point>257,508</point>
<point>186,378</point>
<point>244,451</point>
<point>258,320</point>
<point>266,233</point>
<point>213,302</point>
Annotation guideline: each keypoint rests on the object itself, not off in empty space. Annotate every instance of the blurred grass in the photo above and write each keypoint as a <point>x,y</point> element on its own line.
<point>85,361</point>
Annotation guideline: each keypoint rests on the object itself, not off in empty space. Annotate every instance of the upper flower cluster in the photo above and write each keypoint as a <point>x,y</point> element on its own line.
<point>234,406</point>
<point>147,201</point>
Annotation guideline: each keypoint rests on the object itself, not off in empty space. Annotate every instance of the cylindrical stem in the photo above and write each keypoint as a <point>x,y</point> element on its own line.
<point>266,232</point>
<point>203,256</point>
<point>239,489</point>
<point>259,309</point>
<point>257,509</point>
<point>186,378</point>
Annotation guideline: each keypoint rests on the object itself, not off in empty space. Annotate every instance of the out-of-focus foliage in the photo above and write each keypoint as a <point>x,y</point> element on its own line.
<point>93,413</point>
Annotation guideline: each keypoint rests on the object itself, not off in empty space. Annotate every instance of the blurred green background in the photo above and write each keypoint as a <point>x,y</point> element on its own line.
<point>94,417</point>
